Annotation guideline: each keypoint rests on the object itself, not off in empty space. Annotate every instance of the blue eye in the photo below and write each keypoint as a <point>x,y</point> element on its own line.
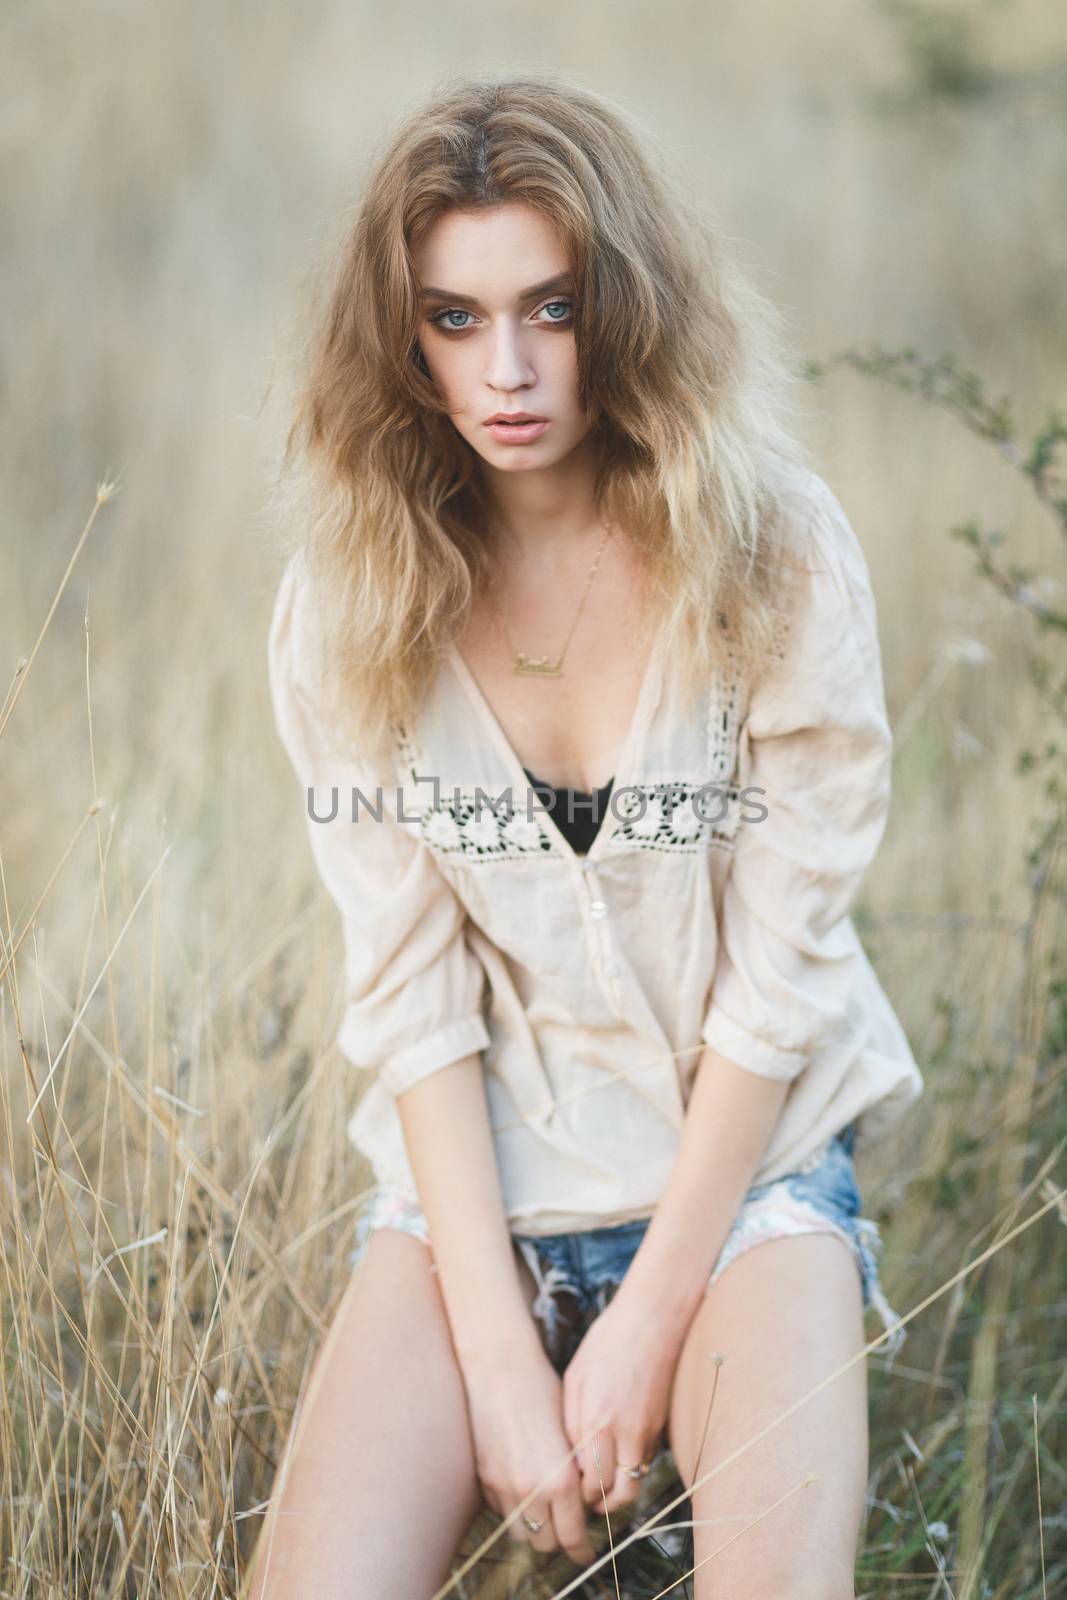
<point>451,311</point>
<point>438,319</point>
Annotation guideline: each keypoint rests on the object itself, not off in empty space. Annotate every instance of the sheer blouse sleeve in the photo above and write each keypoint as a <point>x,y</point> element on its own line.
<point>817,742</point>
<point>414,988</point>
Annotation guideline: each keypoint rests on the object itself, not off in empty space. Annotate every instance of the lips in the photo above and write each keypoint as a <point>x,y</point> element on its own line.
<point>511,432</point>
<point>512,419</point>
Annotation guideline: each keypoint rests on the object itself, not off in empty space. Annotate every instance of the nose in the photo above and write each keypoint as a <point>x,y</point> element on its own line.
<point>509,367</point>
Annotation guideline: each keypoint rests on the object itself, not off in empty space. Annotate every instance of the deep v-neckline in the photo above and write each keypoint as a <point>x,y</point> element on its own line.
<point>625,767</point>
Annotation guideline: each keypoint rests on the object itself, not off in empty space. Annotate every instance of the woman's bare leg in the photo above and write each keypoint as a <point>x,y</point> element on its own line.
<point>784,1315</point>
<point>376,1486</point>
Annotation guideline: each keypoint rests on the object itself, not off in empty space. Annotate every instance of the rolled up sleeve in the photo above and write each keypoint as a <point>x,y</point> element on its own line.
<point>414,988</point>
<point>816,741</point>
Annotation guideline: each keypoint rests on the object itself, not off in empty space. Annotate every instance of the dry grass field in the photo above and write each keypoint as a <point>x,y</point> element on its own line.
<point>178,1195</point>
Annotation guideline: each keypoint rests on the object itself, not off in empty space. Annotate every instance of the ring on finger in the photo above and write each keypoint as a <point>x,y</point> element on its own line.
<point>635,1472</point>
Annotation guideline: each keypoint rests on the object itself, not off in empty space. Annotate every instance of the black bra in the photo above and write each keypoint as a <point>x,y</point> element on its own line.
<point>589,806</point>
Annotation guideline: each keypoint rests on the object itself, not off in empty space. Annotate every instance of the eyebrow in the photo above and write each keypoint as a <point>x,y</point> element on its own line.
<point>562,280</point>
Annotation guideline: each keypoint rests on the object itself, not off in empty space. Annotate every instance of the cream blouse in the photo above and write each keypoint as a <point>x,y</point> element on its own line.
<point>702,914</point>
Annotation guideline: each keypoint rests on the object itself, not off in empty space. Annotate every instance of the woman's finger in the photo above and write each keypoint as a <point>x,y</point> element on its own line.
<point>598,1466</point>
<point>538,1511</point>
<point>626,1488</point>
<point>572,1529</point>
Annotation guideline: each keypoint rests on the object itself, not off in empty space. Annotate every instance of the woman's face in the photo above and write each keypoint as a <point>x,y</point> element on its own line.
<point>497,333</point>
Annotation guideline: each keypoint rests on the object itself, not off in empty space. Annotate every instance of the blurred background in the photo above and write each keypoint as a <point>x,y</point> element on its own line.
<point>178,1203</point>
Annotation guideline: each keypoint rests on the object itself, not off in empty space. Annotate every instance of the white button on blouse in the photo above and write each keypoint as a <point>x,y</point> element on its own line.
<point>716,917</point>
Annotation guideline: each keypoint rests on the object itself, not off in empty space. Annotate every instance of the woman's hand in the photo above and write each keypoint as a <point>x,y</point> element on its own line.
<point>618,1381</point>
<point>516,1412</point>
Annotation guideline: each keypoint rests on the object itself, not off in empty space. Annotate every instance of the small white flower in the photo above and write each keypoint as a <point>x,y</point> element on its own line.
<point>221,1396</point>
<point>652,820</point>
<point>483,830</point>
<point>685,824</point>
<point>441,829</point>
<point>965,746</point>
<point>938,1530</point>
<point>970,652</point>
<point>523,832</point>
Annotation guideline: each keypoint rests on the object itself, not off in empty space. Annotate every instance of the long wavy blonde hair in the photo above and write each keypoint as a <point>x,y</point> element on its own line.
<point>679,355</point>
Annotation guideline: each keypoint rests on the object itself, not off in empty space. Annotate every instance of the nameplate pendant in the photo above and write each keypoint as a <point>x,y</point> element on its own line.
<point>535,666</point>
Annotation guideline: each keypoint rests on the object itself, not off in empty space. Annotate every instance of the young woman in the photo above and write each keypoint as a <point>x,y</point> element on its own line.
<point>598,651</point>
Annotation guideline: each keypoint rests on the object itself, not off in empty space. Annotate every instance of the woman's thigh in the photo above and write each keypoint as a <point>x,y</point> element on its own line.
<point>783,1316</point>
<point>376,1487</point>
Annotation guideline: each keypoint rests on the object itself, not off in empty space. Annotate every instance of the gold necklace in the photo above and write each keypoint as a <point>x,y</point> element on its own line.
<point>523,665</point>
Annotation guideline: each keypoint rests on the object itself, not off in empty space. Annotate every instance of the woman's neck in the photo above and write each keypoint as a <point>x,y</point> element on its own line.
<point>539,520</point>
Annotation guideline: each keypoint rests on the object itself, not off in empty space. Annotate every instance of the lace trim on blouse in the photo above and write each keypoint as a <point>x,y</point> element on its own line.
<point>674,815</point>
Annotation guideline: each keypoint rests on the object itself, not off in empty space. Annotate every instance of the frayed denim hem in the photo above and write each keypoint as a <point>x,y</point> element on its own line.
<point>564,1304</point>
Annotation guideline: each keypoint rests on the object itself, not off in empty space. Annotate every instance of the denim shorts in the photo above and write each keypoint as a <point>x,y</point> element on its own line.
<point>577,1273</point>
